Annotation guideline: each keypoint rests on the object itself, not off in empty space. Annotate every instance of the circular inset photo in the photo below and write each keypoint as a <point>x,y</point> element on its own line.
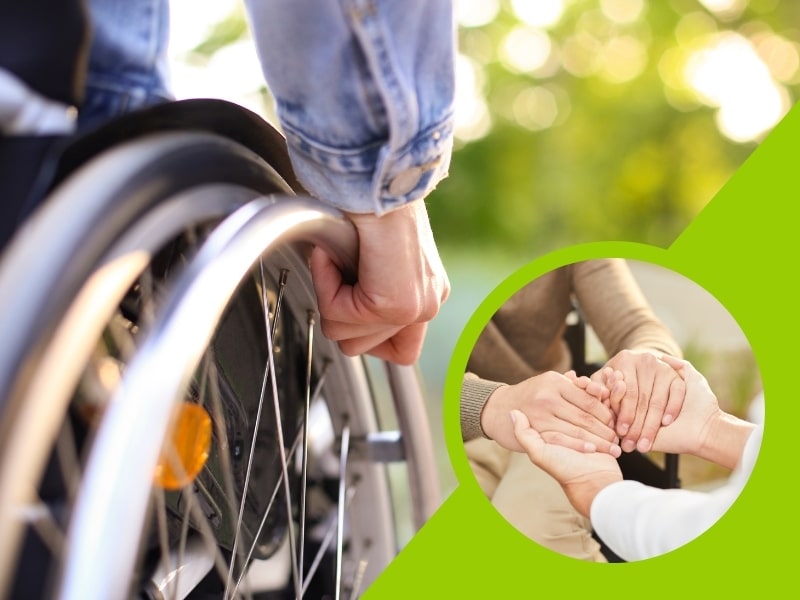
<point>611,410</point>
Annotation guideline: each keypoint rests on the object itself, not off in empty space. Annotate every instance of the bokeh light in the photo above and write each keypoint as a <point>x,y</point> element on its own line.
<point>725,9</point>
<point>472,119</point>
<point>476,13</point>
<point>580,54</point>
<point>525,49</point>
<point>622,11</point>
<point>623,58</point>
<point>541,13</point>
<point>728,73</point>
<point>535,108</point>
<point>782,56</point>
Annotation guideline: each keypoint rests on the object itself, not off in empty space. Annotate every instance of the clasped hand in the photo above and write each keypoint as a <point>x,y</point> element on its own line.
<point>401,285</point>
<point>582,474</point>
<point>619,408</point>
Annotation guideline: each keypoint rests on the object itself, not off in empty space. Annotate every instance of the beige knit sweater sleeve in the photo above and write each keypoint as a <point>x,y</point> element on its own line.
<point>474,394</point>
<point>615,307</point>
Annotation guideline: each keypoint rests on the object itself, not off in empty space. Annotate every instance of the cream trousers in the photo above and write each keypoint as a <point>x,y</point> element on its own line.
<point>531,500</point>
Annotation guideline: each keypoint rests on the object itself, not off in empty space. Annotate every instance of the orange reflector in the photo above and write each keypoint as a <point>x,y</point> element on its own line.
<point>186,447</point>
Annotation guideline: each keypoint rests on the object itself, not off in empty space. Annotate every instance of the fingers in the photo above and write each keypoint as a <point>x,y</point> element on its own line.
<point>572,437</point>
<point>593,414</point>
<point>616,395</point>
<point>400,286</point>
<point>530,440</point>
<point>521,423</point>
<point>345,306</point>
<point>361,331</point>
<point>646,403</point>
<point>403,348</point>
<point>676,363</point>
<point>581,441</point>
<point>586,421</point>
<point>644,391</point>
<point>677,395</point>
<point>655,408</point>
<point>659,398</point>
<point>690,376</point>
<point>625,405</point>
<point>596,388</point>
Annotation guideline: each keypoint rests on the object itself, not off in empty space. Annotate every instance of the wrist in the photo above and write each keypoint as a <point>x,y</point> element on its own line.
<point>495,418</point>
<point>725,439</point>
<point>489,412</point>
<point>582,493</point>
<point>406,212</point>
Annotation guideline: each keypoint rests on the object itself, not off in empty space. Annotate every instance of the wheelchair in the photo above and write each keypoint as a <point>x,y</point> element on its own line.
<point>173,424</point>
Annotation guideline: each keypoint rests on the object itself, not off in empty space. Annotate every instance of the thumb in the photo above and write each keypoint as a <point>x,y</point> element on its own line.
<point>676,363</point>
<point>685,369</point>
<point>527,436</point>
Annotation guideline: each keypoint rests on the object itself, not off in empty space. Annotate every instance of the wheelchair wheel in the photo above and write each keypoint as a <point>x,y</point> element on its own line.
<point>173,422</point>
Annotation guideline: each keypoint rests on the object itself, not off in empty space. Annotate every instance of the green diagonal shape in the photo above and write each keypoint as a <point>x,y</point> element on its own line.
<point>743,248</point>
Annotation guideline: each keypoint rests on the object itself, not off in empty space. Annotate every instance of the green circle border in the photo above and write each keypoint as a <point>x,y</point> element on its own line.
<point>716,540</point>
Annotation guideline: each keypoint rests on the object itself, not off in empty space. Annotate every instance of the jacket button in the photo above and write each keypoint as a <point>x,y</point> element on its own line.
<point>405,181</point>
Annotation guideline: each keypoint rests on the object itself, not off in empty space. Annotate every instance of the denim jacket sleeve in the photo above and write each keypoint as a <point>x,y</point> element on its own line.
<point>364,94</point>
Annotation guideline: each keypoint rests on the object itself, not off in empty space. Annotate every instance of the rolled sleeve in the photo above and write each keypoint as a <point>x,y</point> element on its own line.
<point>364,94</point>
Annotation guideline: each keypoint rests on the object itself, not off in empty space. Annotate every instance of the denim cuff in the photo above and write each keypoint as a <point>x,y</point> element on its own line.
<point>372,179</point>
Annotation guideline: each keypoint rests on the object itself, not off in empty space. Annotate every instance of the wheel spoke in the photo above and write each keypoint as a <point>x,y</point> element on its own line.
<point>163,538</point>
<point>147,298</point>
<point>224,442</point>
<point>340,514</point>
<point>184,537</point>
<point>68,460</point>
<point>359,578</point>
<point>279,431</point>
<point>268,377</point>
<point>39,516</point>
<point>306,411</point>
<point>267,512</point>
<point>249,524</point>
<point>331,532</point>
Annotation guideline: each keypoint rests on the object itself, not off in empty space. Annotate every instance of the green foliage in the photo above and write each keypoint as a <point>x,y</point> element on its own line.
<point>633,160</point>
<point>230,29</point>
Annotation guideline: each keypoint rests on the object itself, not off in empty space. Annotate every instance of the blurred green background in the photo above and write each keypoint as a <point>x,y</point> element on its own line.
<point>577,121</point>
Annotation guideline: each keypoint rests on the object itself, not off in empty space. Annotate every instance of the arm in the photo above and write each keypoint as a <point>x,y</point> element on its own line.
<point>562,412</point>
<point>637,521</point>
<point>634,337</point>
<point>364,94</point>
<point>630,517</point>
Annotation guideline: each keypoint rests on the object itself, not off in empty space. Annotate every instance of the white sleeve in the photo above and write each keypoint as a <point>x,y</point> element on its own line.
<point>638,522</point>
